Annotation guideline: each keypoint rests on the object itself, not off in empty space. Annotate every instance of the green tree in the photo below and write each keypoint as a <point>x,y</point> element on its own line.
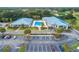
<point>58,32</point>
<point>66,48</point>
<point>46,13</point>
<point>27,31</point>
<point>2,30</point>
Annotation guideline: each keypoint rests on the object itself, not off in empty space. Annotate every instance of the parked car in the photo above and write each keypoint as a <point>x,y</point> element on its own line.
<point>14,37</point>
<point>2,37</point>
<point>7,37</point>
<point>61,48</point>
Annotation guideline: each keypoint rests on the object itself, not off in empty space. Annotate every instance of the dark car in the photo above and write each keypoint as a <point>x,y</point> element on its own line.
<point>7,37</point>
<point>2,36</point>
<point>61,48</point>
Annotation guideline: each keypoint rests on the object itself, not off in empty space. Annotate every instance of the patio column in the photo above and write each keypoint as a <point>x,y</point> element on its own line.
<point>63,27</point>
<point>57,26</point>
<point>66,27</point>
<point>39,28</point>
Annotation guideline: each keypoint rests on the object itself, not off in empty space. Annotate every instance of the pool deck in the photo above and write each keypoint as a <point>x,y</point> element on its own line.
<point>33,25</point>
<point>39,27</point>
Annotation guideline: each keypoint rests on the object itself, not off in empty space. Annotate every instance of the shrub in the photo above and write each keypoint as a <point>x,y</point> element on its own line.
<point>59,30</point>
<point>57,35</point>
<point>27,31</point>
<point>22,48</point>
<point>2,30</point>
<point>6,48</point>
<point>68,30</point>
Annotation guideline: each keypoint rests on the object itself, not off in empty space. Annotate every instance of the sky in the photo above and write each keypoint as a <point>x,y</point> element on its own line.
<point>39,3</point>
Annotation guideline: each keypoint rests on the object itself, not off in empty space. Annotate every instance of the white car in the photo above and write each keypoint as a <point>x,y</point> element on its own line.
<point>14,37</point>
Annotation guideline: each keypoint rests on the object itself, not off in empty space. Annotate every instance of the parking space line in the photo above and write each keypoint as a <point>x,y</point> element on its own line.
<point>50,48</point>
<point>28,48</point>
<point>33,48</point>
<point>42,48</point>
<point>46,47</point>
<point>38,48</point>
<point>57,48</point>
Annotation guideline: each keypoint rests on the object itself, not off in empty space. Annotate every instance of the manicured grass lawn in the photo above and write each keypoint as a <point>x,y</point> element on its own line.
<point>32,28</point>
<point>12,28</point>
<point>22,28</point>
<point>18,34</point>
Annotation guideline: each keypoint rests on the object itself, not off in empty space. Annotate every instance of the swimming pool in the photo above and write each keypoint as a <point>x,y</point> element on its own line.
<point>38,24</point>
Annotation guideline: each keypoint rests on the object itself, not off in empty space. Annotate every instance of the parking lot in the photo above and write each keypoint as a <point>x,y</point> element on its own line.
<point>37,43</point>
<point>42,48</point>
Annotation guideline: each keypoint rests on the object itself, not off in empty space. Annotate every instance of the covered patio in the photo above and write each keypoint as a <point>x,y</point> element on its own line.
<point>55,22</point>
<point>22,21</point>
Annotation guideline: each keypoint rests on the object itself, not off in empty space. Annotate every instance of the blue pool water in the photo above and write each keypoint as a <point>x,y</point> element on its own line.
<point>37,24</point>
